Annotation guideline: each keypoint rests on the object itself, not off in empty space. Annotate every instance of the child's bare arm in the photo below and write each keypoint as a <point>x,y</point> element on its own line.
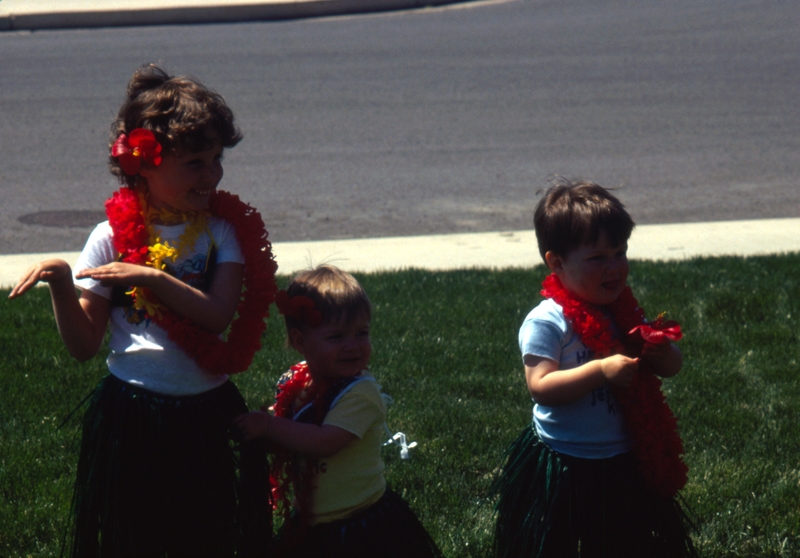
<point>212,310</point>
<point>551,387</point>
<point>310,440</point>
<point>81,320</point>
<point>665,359</point>
<point>49,271</point>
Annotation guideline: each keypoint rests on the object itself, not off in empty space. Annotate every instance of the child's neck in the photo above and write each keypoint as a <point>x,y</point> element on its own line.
<point>166,216</point>
<point>601,307</point>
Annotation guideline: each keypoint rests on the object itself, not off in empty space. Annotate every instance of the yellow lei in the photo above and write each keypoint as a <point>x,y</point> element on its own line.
<point>159,251</point>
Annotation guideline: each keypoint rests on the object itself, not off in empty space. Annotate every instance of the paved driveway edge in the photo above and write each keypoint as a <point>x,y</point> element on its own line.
<point>223,13</point>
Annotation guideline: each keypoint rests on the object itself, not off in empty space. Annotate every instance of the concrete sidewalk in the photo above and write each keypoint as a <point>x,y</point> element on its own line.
<point>500,250</point>
<point>61,14</point>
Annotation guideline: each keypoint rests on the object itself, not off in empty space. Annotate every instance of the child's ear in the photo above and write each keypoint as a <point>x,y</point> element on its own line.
<point>554,262</point>
<point>297,340</point>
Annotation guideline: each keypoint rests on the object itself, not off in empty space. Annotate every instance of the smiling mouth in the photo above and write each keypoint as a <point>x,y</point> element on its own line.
<point>203,192</point>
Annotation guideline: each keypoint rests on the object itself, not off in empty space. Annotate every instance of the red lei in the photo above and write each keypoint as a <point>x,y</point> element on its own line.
<point>126,217</point>
<point>657,445</point>
<point>295,389</point>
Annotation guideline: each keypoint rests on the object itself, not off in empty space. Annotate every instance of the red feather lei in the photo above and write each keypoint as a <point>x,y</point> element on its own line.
<point>295,390</point>
<point>657,445</point>
<point>131,239</point>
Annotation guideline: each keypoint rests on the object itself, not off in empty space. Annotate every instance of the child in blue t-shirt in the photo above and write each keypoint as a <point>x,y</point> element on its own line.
<point>580,480</point>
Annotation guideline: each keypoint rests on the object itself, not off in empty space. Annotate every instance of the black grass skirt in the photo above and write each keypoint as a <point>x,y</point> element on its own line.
<point>157,477</point>
<point>554,505</point>
<point>387,529</point>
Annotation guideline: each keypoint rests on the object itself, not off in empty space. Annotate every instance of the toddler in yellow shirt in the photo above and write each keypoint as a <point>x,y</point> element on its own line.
<point>327,422</point>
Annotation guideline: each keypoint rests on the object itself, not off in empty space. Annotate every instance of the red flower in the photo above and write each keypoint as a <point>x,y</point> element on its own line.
<point>298,307</point>
<point>659,332</point>
<point>131,150</point>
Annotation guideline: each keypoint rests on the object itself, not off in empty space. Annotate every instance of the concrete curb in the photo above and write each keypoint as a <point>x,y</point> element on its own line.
<point>500,250</point>
<point>123,14</point>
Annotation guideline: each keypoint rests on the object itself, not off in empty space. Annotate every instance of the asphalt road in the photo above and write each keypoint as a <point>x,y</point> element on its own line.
<point>431,121</point>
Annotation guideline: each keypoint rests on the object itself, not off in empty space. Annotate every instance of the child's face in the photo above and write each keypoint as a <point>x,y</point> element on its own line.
<point>184,182</point>
<point>597,274</point>
<point>335,350</point>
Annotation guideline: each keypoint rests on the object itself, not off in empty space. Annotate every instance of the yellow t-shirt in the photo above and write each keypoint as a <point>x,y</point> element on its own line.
<point>352,480</point>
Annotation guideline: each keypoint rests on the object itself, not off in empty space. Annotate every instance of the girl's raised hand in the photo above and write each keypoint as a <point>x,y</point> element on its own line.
<point>49,271</point>
<point>119,273</point>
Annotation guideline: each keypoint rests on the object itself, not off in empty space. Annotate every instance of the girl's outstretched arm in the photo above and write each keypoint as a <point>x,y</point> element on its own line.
<point>81,320</point>
<point>212,310</point>
<point>309,440</point>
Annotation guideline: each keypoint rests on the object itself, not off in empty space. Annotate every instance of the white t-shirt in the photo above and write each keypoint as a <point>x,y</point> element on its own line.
<point>141,352</point>
<point>591,427</point>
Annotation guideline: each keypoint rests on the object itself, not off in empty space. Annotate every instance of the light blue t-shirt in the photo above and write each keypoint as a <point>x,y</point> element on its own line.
<point>591,427</point>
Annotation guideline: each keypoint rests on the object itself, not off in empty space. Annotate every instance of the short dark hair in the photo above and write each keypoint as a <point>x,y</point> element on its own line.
<point>570,215</point>
<point>180,111</point>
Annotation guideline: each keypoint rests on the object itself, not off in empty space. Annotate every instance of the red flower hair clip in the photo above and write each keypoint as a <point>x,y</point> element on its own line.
<point>299,307</point>
<point>659,332</point>
<point>131,150</point>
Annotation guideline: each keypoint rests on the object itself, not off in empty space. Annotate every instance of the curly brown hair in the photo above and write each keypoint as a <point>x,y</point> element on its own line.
<point>183,114</point>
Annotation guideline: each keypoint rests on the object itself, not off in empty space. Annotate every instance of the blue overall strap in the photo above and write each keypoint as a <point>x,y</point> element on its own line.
<point>316,411</point>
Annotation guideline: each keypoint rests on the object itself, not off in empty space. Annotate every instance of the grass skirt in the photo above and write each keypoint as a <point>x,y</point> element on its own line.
<point>388,529</point>
<point>157,477</point>
<point>554,505</point>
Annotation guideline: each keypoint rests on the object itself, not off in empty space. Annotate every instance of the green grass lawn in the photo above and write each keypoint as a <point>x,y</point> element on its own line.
<point>445,348</point>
